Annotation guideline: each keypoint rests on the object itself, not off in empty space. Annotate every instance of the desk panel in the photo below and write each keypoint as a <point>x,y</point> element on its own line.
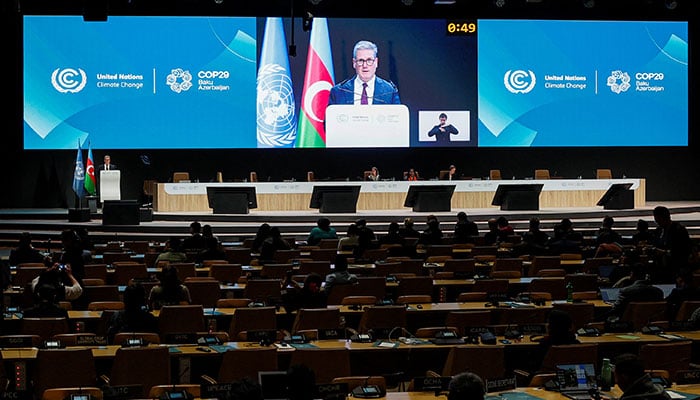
<point>390,195</point>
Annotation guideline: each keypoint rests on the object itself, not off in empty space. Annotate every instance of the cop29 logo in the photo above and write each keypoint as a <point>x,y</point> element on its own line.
<point>68,80</point>
<point>619,81</point>
<point>519,81</point>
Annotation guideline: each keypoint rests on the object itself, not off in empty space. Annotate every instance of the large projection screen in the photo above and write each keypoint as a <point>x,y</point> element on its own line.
<point>156,82</point>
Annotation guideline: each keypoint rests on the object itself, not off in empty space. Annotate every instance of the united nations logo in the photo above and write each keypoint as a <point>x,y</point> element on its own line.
<point>276,115</point>
<point>68,80</point>
<point>619,81</point>
<point>519,81</point>
<point>79,172</point>
<point>179,80</point>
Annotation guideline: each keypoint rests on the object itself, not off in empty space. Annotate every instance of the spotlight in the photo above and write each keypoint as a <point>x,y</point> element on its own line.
<point>671,4</point>
<point>219,1</point>
<point>499,3</point>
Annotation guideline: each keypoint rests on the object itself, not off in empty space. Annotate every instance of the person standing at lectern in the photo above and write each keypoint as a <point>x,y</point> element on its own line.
<point>107,164</point>
<point>365,87</point>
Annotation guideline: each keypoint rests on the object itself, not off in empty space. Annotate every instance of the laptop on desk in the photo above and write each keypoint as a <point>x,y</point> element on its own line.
<point>609,295</point>
<point>576,380</point>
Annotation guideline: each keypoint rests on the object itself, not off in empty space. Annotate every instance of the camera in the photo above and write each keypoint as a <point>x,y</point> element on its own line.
<point>61,267</point>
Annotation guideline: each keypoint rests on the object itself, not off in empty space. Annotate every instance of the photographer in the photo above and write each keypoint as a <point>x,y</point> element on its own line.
<point>60,276</point>
<point>55,284</point>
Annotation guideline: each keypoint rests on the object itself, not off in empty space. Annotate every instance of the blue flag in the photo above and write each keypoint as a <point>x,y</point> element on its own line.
<point>79,174</point>
<point>276,109</point>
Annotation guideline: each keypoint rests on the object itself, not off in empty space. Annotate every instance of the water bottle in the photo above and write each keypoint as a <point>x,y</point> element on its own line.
<point>569,292</point>
<point>606,375</point>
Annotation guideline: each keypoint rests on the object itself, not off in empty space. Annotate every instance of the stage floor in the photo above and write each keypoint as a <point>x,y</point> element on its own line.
<point>48,223</point>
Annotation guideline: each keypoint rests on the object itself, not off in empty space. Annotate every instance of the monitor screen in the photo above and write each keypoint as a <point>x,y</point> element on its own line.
<point>157,82</point>
<point>222,193</point>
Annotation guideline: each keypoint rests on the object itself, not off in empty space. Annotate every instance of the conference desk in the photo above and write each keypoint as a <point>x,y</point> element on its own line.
<point>365,358</point>
<point>539,393</point>
<point>390,195</point>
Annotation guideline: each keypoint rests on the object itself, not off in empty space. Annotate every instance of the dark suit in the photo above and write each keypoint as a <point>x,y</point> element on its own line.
<point>112,167</point>
<point>385,92</point>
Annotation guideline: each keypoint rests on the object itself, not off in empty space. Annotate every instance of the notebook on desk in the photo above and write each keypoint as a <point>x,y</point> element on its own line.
<point>576,380</point>
<point>609,295</point>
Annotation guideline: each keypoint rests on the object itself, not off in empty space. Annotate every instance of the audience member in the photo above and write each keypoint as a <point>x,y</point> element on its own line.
<point>407,230</point>
<point>608,240</point>
<point>466,231</point>
<point>504,229</point>
<point>492,235</point>
<point>46,305</point>
<point>86,242</point>
<point>535,241</point>
<point>466,386</point>
<point>135,316</point>
<point>169,291</point>
<point>640,289</point>
<point>271,244</point>
<point>642,236</point>
<point>322,230</point>
<point>25,251</point>
<point>566,239</point>
<point>351,239</point>
<point>685,290</point>
<point>262,234</point>
<point>673,246</point>
<point>392,236</point>
<point>195,242</point>
<point>61,277</point>
<point>73,254</point>
<point>308,295</point>
<point>634,382</point>
<point>340,274</point>
<point>213,251</point>
<point>432,235</point>
<point>208,235</point>
<point>366,239</point>
<point>172,252</point>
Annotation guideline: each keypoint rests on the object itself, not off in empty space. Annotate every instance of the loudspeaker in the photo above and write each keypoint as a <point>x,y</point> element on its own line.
<point>121,212</point>
<point>78,214</point>
<point>146,214</point>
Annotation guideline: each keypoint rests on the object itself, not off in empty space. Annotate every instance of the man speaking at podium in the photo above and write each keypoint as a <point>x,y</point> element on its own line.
<point>107,164</point>
<point>366,87</point>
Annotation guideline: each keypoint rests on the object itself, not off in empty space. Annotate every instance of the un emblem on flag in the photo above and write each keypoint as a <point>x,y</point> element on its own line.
<point>276,117</point>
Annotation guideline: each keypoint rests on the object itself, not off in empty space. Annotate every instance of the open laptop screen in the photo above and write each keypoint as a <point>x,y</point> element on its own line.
<point>576,376</point>
<point>609,295</point>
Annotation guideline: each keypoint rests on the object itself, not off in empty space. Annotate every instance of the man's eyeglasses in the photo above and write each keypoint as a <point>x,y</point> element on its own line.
<point>369,62</point>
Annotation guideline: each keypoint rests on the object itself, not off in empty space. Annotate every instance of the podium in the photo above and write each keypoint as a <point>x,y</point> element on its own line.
<point>335,199</point>
<point>378,125</point>
<point>110,185</point>
<point>428,198</point>
<point>231,200</point>
<point>518,196</point>
<point>619,196</point>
